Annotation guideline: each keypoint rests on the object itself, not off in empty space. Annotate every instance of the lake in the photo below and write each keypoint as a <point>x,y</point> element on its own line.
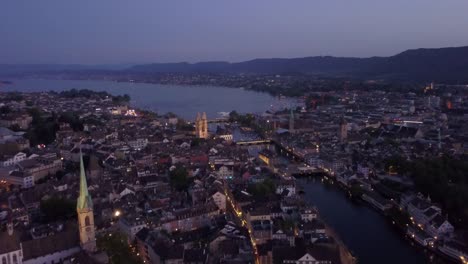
<point>185,101</point>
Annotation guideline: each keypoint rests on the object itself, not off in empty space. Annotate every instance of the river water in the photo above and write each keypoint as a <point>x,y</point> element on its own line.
<point>185,101</point>
<point>368,234</point>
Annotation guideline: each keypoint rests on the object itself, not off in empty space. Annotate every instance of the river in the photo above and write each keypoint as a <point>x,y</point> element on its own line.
<point>368,234</point>
<point>185,101</point>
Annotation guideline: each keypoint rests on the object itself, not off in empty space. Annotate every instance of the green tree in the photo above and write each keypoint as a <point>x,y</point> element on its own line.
<point>121,99</point>
<point>56,208</point>
<point>263,189</point>
<point>72,119</point>
<point>179,178</point>
<point>445,180</point>
<point>245,120</point>
<point>116,247</point>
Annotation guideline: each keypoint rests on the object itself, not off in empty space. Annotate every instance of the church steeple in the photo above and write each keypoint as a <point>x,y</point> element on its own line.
<point>291,121</point>
<point>84,209</point>
<point>343,130</point>
<point>84,200</point>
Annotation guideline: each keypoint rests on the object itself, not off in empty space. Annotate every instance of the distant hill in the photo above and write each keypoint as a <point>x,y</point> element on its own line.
<point>312,65</point>
<point>449,65</point>
<point>7,69</point>
<point>443,64</point>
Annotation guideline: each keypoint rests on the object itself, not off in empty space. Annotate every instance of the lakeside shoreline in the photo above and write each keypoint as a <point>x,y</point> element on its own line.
<point>184,100</point>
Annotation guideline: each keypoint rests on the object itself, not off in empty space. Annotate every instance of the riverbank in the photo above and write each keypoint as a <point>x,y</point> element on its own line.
<point>362,227</point>
<point>346,255</point>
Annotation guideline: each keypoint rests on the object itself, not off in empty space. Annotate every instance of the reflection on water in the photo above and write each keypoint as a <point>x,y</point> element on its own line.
<point>368,234</point>
<point>184,101</point>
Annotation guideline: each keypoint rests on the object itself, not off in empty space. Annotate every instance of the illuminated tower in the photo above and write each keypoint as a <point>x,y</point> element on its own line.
<point>84,209</point>
<point>343,130</point>
<point>291,122</point>
<point>201,126</point>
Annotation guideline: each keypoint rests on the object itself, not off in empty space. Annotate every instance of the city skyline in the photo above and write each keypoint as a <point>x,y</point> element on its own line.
<point>219,132</point>
<point>119,33</point>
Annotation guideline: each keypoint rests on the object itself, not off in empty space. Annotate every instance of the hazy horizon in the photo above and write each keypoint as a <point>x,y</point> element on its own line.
<point>114,32</point>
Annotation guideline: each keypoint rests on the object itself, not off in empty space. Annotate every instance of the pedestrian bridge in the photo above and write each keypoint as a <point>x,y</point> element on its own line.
<point>253,142</point>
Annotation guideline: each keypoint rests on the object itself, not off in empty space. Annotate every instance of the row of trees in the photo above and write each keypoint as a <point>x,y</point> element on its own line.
<point>44,126</point>
<point>244,120</point>
<point>302,87</point>
<point>86,93</point>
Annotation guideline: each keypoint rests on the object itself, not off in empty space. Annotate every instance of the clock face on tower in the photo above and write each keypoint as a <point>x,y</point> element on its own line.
<point>88,229</point>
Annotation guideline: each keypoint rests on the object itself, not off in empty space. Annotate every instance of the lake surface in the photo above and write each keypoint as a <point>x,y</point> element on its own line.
<point>185,101</point>
<point>368,234</point>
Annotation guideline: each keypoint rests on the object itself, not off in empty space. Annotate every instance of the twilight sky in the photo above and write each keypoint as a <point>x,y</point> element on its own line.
<point>141,31</point>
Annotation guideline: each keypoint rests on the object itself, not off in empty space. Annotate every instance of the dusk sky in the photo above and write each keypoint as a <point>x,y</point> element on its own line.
<point>124,31</point>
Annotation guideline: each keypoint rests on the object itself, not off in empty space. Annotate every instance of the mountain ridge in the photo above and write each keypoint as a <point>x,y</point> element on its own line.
<point>423,64</point>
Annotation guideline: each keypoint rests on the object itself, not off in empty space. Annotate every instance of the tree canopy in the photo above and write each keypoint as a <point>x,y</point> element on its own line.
<point>178,178</point>
<point>263,189</point>
<point>56,208</point>
<point>116,247</point>
<point>444,179</point>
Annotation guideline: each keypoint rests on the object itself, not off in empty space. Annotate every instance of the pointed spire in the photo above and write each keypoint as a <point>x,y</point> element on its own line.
<point>204,116</point>
<point>84,200</point>
<point>291,121</point>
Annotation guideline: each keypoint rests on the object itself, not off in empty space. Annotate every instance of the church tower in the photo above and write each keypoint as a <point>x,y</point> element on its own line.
<point>201,126</point>
<point>84,209</point>
<point>343,130</point>
<point>291,121</point>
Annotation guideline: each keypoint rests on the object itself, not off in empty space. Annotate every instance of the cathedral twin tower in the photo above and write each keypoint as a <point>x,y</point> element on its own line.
<point>201,126</point>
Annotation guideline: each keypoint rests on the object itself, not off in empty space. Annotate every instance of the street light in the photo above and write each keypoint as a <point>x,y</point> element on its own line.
<point>117,213</point>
